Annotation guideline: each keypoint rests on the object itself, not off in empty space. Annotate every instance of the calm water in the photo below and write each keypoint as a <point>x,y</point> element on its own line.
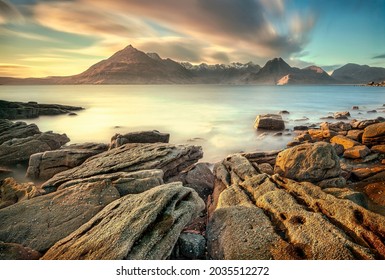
<point>219,118</point>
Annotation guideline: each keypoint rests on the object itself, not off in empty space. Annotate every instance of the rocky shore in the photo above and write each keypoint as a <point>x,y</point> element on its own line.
<point>140,197</point>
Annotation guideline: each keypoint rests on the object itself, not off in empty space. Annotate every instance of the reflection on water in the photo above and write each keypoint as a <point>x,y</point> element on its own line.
<point>219,118</point>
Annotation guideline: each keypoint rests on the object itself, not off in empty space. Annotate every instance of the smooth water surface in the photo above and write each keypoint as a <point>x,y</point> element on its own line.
<point>218,117</point>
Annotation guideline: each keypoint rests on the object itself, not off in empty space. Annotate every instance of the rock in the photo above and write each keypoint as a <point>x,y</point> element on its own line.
<point>269,122</point>
<point>374,134</point>
<point>14,251</point>
<point>359,151</point>
<point>198,177</point>
<point>266,168</point>
<point>262,157</point>
<point>341,115</point>
<point>42,166</point>
<point>12,192</point>
<point>96,147</point>
<point>321,134</point>
<point>308,162</point>
<point>346,193</point>
<point>301,127</point>
<point>376,192</point>
<point>378,149</point>
<point>11,130</point>
<point>20,110</point>
<point>191,246</point>
<point>344,141</point>
<point>132,157</point>
<point>355,108</point>
<point>369,171</point>
<point>125,182</point>
<point>19,150</point>
<point>284,112</point>
<point>372,111</point>
<point>141,226</point>
<point>152,136</point>
<point>363,124</point>
<point>338,148</point>
<point>355,134</point>
<point>40,222</point>
<point>339,126</point>
<point>338,182</point>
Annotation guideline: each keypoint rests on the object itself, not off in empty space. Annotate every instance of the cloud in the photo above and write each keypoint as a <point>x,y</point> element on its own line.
<point>381,56</point>
<point>9,13</point>
<point>13,70</point>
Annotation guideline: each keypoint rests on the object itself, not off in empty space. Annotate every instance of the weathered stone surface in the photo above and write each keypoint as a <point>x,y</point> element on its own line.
<point>338,182</point>
<point>344,141</point>
<point>132,157</point>
<point>339,126</point>
<point>14,251</point>
<point>269,122</point>
<point>338,148</point>
<point>308,162</point>
<point>376,192</point>
<point>266,168</point>
<point>346,193</point>
<point>152,136</point>
<point>141,226</point>
<point>374,134</point>
<point>125,182</point>
<point>262,157</point>
<point>40,222</point>
<point>19,150</point>
<point>355,134</point>
<point>12,192</point>
<point>321,134</point>
<point>363,124</point>
<point>44,165</point>
<point>10,130</point>
<point>21,110</point>
<point>359,151</point>
<point>368,171</point>
<point>378,149</point>
<point>191,246</point>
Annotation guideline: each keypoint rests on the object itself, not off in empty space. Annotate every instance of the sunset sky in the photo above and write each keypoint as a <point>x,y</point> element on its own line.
<point>49,37</point>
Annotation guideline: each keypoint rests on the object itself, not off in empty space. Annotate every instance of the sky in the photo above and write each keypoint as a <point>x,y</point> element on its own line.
<point>58,38</point>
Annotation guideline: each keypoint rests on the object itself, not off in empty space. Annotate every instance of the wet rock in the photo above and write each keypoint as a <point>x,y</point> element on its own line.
<point>11,130</point>
<point>14,251</point>
<point>341,115</point>
<point>308,162</point>
<point>21,110</point>
<point>141,226</point>
<point>43,166</point>
<point>152,136</point>
<point>301,127</point>
<point>284,112</point>
<point>12,192</point>
<point>269,122</point>
<point>19,150</point>
<point>172,159</point>
<point>372,111</point>
<point>40,222</point>
<point>355,108</point>
<point>374,135</point>
<point>355,152</point>
<point>344,141</point>
<point>191,246</point>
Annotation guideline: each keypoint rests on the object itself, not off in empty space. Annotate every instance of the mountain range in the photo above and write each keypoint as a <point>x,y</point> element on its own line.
<point>132,66</point>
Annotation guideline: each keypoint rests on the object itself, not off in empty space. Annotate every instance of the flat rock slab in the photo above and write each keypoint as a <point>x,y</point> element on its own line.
<point>10,130</point>
<point>374,134</point>
<point>141,226</point>
<point>40,222</point>
<point>22,110</point>
<point>17,151</point>
<point>132,157</point>
<point>152,136</point>
<point>269,122</point>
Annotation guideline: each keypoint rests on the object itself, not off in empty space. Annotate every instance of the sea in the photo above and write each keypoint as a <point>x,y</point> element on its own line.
<point>220,118</point>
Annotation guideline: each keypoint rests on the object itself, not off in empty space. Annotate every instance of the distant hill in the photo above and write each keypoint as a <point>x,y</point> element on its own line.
<point>358,74</point>
<point>132,66</point>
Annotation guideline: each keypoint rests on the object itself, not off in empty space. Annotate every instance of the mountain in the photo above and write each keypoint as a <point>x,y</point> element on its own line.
<point>358,74</point>
<point>132,66</point>
<point>309,75</point>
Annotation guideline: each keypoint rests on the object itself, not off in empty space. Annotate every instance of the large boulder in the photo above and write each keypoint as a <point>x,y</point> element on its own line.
<point>132,157</point>
<point>308,162</point>
<point>344,141</point>
<point>269,122</point>
<point>152,136</point>
<point>12,192</point>
<point>40,222</point>
<point>141,226</point>
<point>43,166</point>
<point>16,151</point>
<point>374,134</point>
<point>260,216</point>
<point>10,130</point>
